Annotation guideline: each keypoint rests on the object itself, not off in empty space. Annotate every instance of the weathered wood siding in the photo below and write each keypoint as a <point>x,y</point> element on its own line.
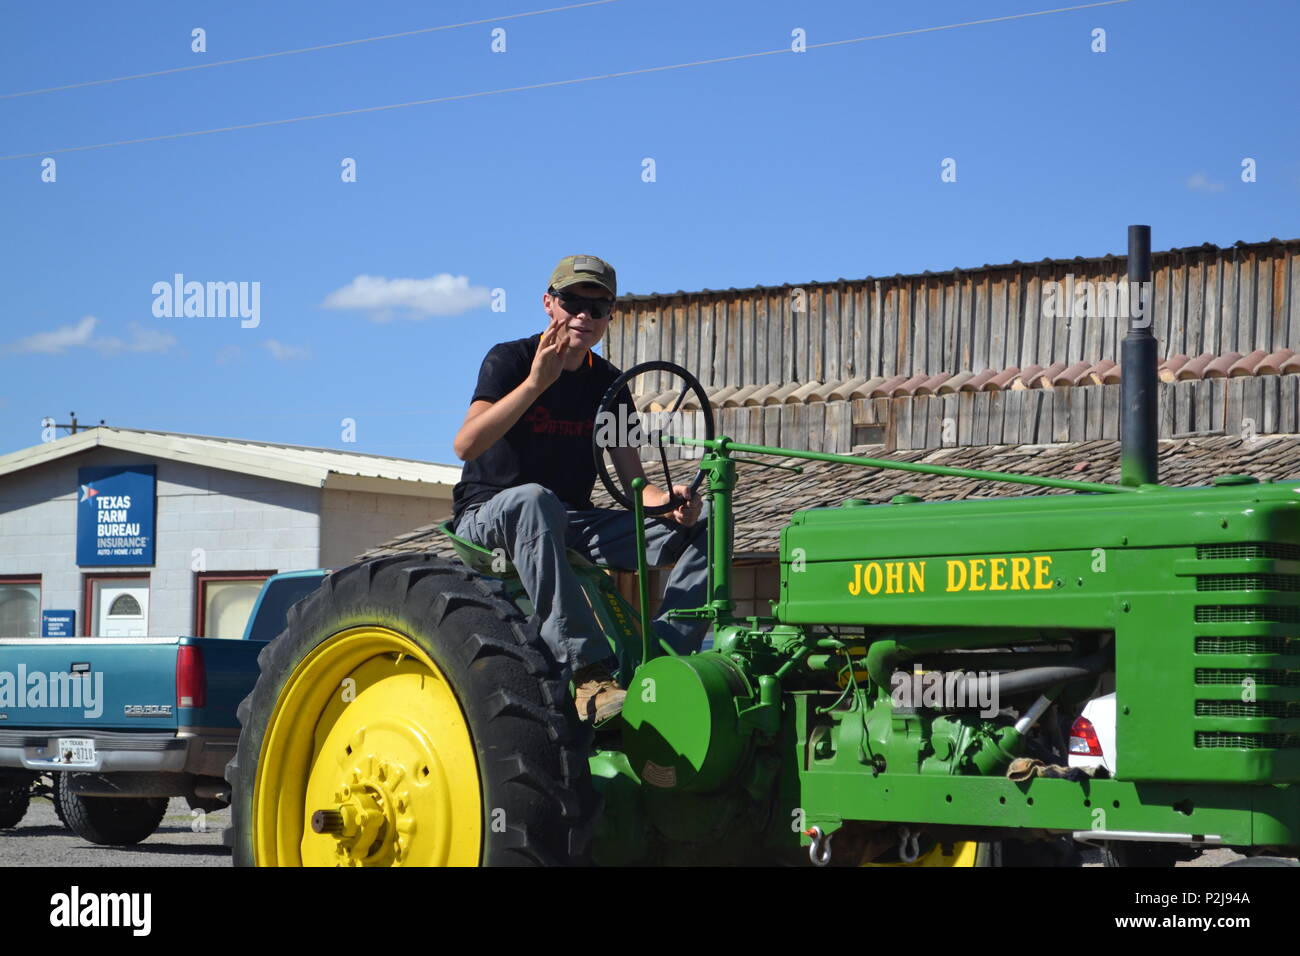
<point>1206,299</point>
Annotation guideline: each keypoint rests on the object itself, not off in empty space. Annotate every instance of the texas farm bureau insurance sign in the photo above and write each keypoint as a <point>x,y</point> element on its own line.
<point>115,515</point>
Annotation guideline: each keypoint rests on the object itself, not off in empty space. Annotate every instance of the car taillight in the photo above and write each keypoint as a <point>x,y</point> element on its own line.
<point>1083,739</point>
<point>191,679</point>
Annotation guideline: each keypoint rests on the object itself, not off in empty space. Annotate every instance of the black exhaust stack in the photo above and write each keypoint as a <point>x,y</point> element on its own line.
<point>1138,395</point>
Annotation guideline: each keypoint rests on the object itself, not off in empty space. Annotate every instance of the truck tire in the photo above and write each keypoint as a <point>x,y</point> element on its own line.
<point>109,821</point>
<point>1116,853</point>
<point>409,714</point>
<point>58,800</point>
<point>13,806</point>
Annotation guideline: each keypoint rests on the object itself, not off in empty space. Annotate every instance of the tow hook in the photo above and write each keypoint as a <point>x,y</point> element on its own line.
<point>909,845</point>
<point>819,850</point>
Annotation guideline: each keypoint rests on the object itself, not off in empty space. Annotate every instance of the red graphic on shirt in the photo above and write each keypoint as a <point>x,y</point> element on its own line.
<point>539,417</point>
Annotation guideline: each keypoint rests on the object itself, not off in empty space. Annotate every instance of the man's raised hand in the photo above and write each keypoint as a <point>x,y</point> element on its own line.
<point>548,361</point>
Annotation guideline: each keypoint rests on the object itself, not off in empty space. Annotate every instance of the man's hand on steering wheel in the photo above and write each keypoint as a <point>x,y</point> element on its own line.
<point>689,502</point>
<point>683,503</point>
<point>686,513</point>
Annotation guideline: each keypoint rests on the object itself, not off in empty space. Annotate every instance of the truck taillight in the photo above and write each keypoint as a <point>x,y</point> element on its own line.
<point>191,678</point>
<point>1083,739</point>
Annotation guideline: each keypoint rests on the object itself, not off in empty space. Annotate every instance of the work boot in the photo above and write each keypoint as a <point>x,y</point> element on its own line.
<point>596,693</point>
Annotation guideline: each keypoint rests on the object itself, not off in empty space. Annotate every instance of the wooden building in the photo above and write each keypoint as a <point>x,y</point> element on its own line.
<point>973,357</point>
<point>1006,367</point>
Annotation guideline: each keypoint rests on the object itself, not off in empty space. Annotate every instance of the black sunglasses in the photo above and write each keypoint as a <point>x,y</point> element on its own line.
<point>573,304</point>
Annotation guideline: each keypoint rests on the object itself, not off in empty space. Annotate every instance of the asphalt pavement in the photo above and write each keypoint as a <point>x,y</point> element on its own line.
<point>187,838</point>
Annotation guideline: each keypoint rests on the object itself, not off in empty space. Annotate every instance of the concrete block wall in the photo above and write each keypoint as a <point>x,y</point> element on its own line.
<point>354,521</point>
<point>240,523</point>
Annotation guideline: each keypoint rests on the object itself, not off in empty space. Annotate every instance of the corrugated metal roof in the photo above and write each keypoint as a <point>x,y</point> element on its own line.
<point>296,464</point>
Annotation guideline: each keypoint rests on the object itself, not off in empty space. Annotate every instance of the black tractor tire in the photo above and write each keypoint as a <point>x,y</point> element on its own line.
<point>532,752</point>
<point>58,800</point>
<point>1116,853</point>
<point>13,806</point>
<point>109,821</point>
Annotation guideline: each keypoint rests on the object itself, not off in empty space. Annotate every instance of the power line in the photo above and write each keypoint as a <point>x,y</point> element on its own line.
<point>305,49</point>
<point>324,413</point>
<point>554,83</point>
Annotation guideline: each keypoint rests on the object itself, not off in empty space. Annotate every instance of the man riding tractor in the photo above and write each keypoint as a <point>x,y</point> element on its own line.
<point>526,485</point>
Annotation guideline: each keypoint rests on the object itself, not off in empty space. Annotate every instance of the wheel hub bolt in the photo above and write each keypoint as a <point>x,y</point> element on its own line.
<point>327,821</point>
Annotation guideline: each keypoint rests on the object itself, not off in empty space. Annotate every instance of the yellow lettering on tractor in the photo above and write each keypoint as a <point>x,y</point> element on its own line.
<point>997,574</point>
<point>964,574</point>
<point>894,577</point>
<point>872,584</point>
<point>872,578</point>
<point>1042,572</point>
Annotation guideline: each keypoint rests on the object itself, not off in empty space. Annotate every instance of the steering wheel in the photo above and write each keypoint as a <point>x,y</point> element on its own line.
<point>607,413</point>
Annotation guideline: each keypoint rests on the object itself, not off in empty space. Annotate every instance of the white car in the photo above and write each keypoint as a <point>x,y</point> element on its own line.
<point>1092,736</point>
<point>1092,744</point>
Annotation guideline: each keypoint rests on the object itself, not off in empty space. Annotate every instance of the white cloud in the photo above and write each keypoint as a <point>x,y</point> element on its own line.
<point>143,339</point>
<point>1201,183</point>
<point>81,335</point>
<point>385,299</point>
<point>228,354</point>
<point>58,341</point>
<point>284,353</point>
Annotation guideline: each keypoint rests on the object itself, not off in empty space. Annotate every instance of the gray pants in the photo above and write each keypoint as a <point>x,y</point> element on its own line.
<point>534,528</point>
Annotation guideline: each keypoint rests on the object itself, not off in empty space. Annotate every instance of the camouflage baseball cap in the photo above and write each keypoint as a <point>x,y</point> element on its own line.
<point>574,270</point>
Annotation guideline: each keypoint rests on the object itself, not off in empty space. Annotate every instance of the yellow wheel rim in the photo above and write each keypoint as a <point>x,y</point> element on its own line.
<point>963,854</point>
<point>367,761</point>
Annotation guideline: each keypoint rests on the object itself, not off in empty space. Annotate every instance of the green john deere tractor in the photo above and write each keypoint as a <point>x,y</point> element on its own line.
<point>907,703</point>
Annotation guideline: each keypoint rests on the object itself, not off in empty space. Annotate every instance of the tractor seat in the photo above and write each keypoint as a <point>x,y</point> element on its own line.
<point>480,559</point>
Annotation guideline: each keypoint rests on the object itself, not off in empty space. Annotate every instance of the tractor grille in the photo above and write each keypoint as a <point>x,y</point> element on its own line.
<point>1246,613</point>
<point>1264,677</point>
<point>1264,549</point>
<point>1247,645</point>
<point>1238,708</point>
<point>1248,741</point>
<point>1233,689</point>
<point>1251,725</point>
<point>1248,582</point>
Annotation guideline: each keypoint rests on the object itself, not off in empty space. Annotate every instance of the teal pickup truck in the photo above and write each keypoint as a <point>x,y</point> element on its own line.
<point>117,725</point>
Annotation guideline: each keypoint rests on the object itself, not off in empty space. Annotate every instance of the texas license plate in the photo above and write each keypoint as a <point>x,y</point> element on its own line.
<point>76,751</point>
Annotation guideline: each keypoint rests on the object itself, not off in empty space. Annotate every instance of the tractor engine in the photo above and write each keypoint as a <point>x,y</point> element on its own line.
<point>915,640</point>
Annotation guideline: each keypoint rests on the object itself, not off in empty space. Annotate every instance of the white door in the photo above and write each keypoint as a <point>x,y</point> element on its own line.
<point>123,609</point>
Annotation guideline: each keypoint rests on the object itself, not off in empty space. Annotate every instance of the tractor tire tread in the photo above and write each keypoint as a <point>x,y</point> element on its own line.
<point>532,751</point>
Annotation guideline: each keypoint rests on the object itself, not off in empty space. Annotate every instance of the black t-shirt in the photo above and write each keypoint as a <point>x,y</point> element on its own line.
<point>551,443</point>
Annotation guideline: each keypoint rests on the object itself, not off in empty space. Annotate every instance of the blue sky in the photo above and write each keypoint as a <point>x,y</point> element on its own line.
<point>772,169</point>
